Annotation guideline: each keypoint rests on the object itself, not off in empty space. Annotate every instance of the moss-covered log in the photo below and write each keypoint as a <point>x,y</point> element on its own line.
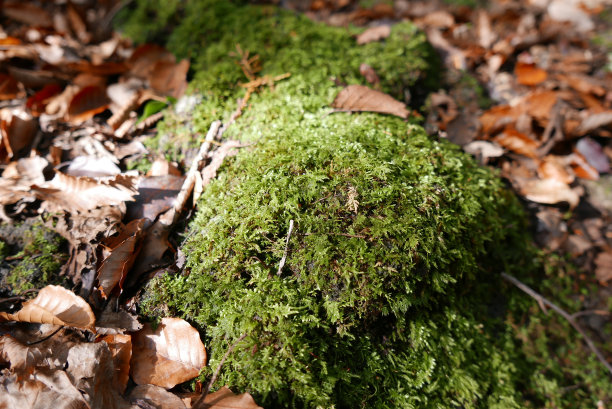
<point>390,285</point>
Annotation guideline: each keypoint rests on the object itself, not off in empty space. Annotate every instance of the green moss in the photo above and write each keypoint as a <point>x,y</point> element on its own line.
<point>31,257</point>
<point>390,295</point>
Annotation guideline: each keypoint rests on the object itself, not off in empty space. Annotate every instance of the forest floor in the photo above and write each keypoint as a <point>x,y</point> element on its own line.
<point>527,90</point>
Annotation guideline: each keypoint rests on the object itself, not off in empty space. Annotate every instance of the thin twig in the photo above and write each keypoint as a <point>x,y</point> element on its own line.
<point>200,402</point>
<point>282,262</point>
<point>564,314</point>
<point>355,236</point>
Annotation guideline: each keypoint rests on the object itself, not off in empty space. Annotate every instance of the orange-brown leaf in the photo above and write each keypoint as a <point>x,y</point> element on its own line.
<point>515,141</point>
<point>529,74</point>
<point>120,346</point>
<point>168,355</point>
<point>374,34</point>
<point>226,399</point>
<point>362,98</point>
<point>55,305</point>
<point>88,102</point>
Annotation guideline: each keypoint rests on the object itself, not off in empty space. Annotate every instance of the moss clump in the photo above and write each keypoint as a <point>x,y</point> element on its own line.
<point>31,257</point>
<point>387,295</point>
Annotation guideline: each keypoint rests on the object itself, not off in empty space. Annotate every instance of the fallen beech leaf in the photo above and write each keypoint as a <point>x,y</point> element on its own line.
<point>486,35</point>
<point>120,346</point>
<point>90,367</point>
<point>156,397</point>
<point>568,11</point>
<point>553,167</point>
<point>593,153</point>
<point>169,78</point>
<point>374,34</point>
<point>168,355</point>
<point>156,194</point>
<point>93,166</point>
<point>361,98</point>
<point>39,390</point>
<point>120,253</point>
<point>83,193</point>
<point>603,266</point>
<point>515,141</point>
<point>55,305</point>
<point>37,102</point>
<point>581,167</point>
<point>592,122</point>
<point>549,191</point>
<point>88,102</point>
<point>17,128</point>
<point>226,399</point>
<point>145,57</point>
<point>540,104</point>
<point>577,245</point>
<point>21,357</point>
<point>438,19</point>
<point>529,74</point>
<point>497,118</point>
<point>369,74</point>
<point>27,13</point>
<point>116,322</point>
<point>484,150</point>
<point>78,24</point>
<point>583,84</point>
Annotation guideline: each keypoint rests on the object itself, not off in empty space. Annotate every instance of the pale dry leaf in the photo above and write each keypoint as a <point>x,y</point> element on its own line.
<point>91,369</point>
<point>21,357</point>
<point>594,121</point>
<point>226,399</point>
<point>486,35</point>
<point>40,390</point>
<point>83,193</point>
<point>17,128</point>
<point>592,151</point>
<point>120,346</point>
<point>362,98</point>
<point>168,355</point>
<point>603,266</point>
<point>577,245</point>
<point>374,34</point>
<point>550,191</point>
<point>438,19</point>
<point>157,397</point>
<point>555,167</point>
<point>55,305</point>
<point>484,150</point>
<point>93,167</point>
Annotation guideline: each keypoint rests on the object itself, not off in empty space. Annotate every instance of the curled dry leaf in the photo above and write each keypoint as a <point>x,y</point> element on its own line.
<point>361,98</point>
<point>17,128</point>
<point>119,255</point>
<point>71,193</point>
<point>86,103</point>
<point>374,34</point>
<point>168,355</point>
<point>554,167</point>
<point>518,142</point>
<point>226,399</point>
<point>55,305</point>
<point>484,150</point>
<point>529,74</point>
<point>169,78</point>
<point>549,191</point>
<point>21,357</point>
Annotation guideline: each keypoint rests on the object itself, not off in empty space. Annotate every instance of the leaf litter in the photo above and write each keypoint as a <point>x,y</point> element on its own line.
<point>69,122</point>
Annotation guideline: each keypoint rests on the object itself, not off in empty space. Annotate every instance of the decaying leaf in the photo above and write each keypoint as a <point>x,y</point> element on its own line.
<point>116,322</point>
<point>361,98</point>
<point>603,266</point>
<point>120,346</point>
<point>156,397</point>
<point>550,191</point>
<point>168,355</point>
<point>55,305</point>
<point>119,252</point>
<point>374,34</point>
<point>17,129</point>
<point>86,103</point>
<point>226,399</point>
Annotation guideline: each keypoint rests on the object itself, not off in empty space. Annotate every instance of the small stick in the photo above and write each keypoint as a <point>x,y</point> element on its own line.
<point>200,402</point>
<point>189,183</point>
<point>541,300</point>
<point>282,262</point>
<point>45,338</point>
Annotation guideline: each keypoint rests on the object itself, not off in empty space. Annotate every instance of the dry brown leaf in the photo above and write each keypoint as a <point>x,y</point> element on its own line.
<point>583,84</point>
<point>515,141</point>
<point>361,98</point>
<point>539,104</point>
<point>369,74</point>
<point>486,35</point>
<point>554,167</point>
<point>374,34</point>
<point>594,121</point>
<point>71,193</point>
<point>581,167</point>
<point>438,19</point>
<point>497,118</point>
<point>603,266</point>
<point>37,102</point>
<point>90,367</point>
<point>17,128</point>
<point>55,305</point>
<point>156,397</point>
<point>145,57</point>
<point>168,78</point>
<point>21,357</point>
<point>116,322</point>
<point>40,390</point>
<point>9,87</point>
<point>86,103</point>
<point>119,253</point>
<point>120,346</point>
<point>27,13</point>
<point>529,74</point>
<point>594,154</point>
<point>549,191</point>
<point>168,355</point>
<point>226,399</point>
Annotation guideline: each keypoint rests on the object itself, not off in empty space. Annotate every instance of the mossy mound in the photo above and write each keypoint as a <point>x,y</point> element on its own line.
<point>387,293</point>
